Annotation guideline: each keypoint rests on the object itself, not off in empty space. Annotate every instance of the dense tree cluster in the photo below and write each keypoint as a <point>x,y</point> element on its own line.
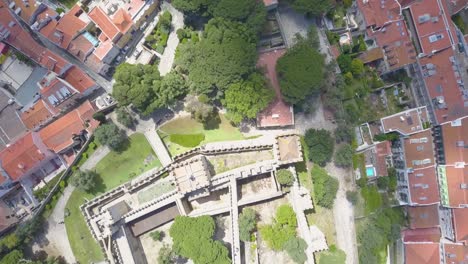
<point>247,223</point>
<point>245,99</point>
<point>193,239</point>
<point>225,54</point>
<point>325,187</point>
<point>110,135</point>
<point>283,229</point>
<point>299,82</point>
<point>320,144</point>
<point>379,230</point>
<point>250,12</point>
<point>312,7</point>
<point>143,87</point>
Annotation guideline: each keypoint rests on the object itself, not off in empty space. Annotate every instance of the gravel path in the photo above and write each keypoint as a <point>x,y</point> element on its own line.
<point>167,58</point>
<point>54,239</point>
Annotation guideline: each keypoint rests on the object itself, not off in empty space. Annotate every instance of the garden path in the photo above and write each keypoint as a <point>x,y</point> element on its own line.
<point>167,58</point>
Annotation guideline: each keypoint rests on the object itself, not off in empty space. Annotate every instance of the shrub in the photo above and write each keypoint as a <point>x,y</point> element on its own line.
<point>295,247</point>
<point>99,116</point>
<point>383,182</point>
<point>344,156</point>
<point>187,140</point>
<point>282,230</point>
<point>285,177</point>
<point>352,197</point>
<point>181,33</point>
<point>156,235</point>
<point>247,223</point>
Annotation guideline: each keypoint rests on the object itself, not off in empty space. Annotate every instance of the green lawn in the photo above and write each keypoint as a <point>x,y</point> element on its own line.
<point>336,256</point>
<point>186,125</point>
<point>114,169</point>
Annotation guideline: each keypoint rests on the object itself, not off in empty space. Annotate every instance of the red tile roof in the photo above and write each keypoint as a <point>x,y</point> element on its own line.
<point>378,13</point>
<point>423,216</point>
<point>442,85</point>
<point>36,115</point>
<point>460,224</point>
<point>421,235</point>
<point>122,20</point>
<point>278,113</point>
<point>59,135</point>
<point>22,156</point>
<point>383,150</point>
<point>407,122</point>
<point>455,178</point>
<point>103,48</point>
<point>419,150</point>
<point>422,253</point>
<point>397,47</point>
<point>423,186</point>
<point>455,253</point>
<point>455,140</point>
<point>78,79</point>
<point>270,2</point>
<point>80,47</point>
<point>68,27</point>
<point>100,18</point>
<point>433,19</point>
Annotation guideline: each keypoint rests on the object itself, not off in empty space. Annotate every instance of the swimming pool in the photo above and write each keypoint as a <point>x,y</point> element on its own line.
<point>370,171</point>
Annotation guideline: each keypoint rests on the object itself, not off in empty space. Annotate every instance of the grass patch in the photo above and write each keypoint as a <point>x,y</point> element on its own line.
<point>372,199</point>
<point>155,191</point>
<point>335,256</point>
<point>223,131</point>
<point>114,169</point>
<point>187,140</point>
<point>68,3</point>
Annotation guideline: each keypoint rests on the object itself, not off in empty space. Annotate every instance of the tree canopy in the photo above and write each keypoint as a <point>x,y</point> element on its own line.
<point>325,187</point>
<point>247,223</point>
<point>344,156</point>
<point>245,99</point>
<point>296,247</point>
<point>84,180</point>
<point>320,144</point>
<point>110,135</point>
<point>193,239</point>
<point>225,54</point>
<point>134,85</point>
<point>124,117</point>
<point>143,87</point>
<point>300,72</point>
<point>312,7</point>
<point>285,177</point>
<point>250,12</point>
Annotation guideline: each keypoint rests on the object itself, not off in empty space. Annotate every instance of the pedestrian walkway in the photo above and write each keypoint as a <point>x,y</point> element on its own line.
<point>167,58</point>
<point>158,147</point>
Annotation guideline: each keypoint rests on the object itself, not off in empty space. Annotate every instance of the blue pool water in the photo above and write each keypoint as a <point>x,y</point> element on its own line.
<point>370,171</point>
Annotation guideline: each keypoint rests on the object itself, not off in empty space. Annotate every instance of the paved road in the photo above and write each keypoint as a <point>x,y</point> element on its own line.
<point>167,59</point>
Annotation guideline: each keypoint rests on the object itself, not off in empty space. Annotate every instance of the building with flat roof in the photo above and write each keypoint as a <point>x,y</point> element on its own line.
<point>407,122</point>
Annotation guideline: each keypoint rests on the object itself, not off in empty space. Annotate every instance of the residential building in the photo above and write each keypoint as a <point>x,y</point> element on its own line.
<point>407,122</point>
<point>452,156</point>
<point>378,158</point>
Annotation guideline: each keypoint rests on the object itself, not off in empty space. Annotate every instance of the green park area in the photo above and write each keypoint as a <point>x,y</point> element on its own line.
<point>185,133</point>
<point>114,169</point>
